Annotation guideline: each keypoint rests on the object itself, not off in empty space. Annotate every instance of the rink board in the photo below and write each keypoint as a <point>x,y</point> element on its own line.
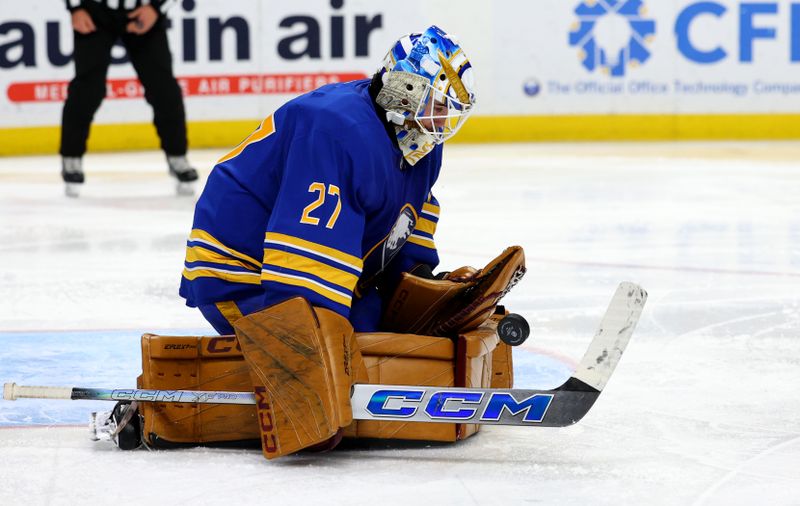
<point>546,70</point>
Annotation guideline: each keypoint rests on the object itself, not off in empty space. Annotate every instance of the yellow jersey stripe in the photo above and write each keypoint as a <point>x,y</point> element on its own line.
<point>264,130</point>
<point>421,241</point>
<point>199,235</point>
<point>229,310</point>
<point>289,279</point>
<point>425,225</point>
<point>318,249</point>
<point>430,209</point>
<point>200,254</point>
<point>278,258</point>
<point>249,278</point>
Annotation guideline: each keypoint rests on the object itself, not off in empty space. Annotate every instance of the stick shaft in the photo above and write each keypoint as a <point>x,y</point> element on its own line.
<point>558,407</point>
<point>12,391</point>
<point>375,402</point>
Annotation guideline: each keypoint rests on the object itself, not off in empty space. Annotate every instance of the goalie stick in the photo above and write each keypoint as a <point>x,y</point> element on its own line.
<point>559,407</point>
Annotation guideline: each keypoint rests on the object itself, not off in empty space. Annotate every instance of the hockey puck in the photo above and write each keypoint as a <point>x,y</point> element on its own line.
<point>513,329</point>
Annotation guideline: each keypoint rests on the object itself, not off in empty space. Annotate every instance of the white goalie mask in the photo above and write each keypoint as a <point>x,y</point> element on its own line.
<point>427,90</point>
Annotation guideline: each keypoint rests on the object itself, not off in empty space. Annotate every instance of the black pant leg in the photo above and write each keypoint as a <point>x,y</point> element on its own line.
<point>151,57</point>
<point>92,56</point>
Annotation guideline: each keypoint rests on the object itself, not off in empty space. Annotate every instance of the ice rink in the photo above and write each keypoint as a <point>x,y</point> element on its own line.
<point>704,408</point>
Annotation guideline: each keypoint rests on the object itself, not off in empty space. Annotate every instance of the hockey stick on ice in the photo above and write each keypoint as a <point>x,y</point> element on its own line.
<point>559,407</point>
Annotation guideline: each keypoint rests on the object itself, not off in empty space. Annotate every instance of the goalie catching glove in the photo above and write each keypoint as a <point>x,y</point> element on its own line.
<point>462,301</point>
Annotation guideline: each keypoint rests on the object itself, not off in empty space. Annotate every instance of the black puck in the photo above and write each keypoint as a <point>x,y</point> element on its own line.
<point>513,329</point>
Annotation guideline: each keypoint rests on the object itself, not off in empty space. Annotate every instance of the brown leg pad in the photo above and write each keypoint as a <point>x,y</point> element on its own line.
<point>502,367</point>
<point>300,360</point>
<point>194,363</point>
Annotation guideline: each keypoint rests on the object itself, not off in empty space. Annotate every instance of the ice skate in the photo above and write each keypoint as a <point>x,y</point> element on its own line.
<point>184,173</point>
<point>72,174</point>
<point>101,426</point>
<point>120,426</point>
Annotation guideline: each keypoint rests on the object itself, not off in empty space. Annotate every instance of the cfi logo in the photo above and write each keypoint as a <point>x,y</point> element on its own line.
<point>612,35</point>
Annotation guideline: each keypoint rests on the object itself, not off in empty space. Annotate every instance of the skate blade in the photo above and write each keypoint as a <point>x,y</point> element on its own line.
<point>72,190</point>
<point>99,427</point>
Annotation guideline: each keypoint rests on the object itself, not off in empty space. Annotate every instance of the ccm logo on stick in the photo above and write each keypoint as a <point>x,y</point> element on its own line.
<point>457,405</point>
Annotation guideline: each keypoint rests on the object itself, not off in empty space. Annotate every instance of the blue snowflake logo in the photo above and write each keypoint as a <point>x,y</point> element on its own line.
<point>591,14</point>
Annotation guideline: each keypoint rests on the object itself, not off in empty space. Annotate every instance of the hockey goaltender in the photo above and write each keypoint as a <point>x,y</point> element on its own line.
<point>312,255</point>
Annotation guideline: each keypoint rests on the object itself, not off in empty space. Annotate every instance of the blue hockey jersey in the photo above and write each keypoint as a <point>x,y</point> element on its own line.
<point>317,202</point>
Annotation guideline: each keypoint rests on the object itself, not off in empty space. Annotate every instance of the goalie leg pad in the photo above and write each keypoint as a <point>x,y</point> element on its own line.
<point>475,359</point>
<point>194,363</point>
<point>301,361</point>
<point>502,367</point>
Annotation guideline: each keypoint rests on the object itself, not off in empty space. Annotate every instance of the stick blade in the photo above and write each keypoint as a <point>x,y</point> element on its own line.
<point>612,337</point>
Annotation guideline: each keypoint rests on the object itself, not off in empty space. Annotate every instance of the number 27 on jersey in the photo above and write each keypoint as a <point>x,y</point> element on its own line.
<point>321,189</point>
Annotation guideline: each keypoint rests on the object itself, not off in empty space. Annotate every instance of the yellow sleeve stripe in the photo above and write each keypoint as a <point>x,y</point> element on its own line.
<point>430,209</point>
<point>249,278</point>
<point>200,254</point>
<point>317,249</point>
<point>427,226</point>
<point>421,241</point>
<point>288,279</point>
<point>202,236</point>
<point>264,130</point>
<point>229,310</point>
<point>300,263</point>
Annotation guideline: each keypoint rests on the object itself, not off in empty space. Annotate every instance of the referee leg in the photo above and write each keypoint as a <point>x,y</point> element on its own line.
<point>92,56</point>
<point>151,57</point>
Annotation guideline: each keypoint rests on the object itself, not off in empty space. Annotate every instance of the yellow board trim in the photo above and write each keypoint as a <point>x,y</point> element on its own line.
<point>278,258</point>
<point>601,127</point>
<point>630,127</point>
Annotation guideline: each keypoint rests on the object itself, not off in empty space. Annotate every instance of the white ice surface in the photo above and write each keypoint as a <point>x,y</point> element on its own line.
<point>703,410</point>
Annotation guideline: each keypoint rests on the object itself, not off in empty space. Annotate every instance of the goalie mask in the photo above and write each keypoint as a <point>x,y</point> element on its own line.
<point>427,90</point>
